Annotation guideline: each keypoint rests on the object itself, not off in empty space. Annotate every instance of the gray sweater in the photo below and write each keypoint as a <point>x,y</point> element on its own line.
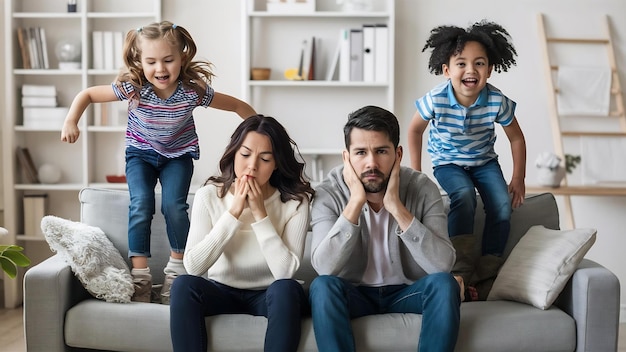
<point>341,248</point>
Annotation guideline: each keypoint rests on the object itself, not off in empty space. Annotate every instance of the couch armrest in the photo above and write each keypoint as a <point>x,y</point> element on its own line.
<point>50,289</point>
<point>592,298</point>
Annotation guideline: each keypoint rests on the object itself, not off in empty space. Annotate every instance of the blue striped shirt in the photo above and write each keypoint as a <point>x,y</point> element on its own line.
<point>460,135</point>
<point>163,125</point>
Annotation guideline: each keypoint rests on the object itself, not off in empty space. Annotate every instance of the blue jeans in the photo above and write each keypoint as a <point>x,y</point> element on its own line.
<point>143,168</point>
<point>193,298</point>
<point>459,182</point>
<point>334,302</point>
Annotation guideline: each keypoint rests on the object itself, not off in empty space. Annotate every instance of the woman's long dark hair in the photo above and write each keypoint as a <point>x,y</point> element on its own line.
<point>288,177</point>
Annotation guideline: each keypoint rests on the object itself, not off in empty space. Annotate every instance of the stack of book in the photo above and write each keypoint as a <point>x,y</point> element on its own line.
<point>40,106</point>
<point>33,47</point>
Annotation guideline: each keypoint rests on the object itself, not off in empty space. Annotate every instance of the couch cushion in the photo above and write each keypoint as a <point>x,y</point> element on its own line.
<point>92,257</point>
<point>485,326</point>
<point>541,264</point>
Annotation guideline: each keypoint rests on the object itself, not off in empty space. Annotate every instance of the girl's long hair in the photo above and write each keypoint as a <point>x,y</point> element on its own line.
<point>193,74</point>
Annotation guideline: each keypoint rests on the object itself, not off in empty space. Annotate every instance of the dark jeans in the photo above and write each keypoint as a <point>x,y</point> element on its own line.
<point>334,302</point>
<point>193,298</point>
<point>459,182</point>
<point>143,169</point>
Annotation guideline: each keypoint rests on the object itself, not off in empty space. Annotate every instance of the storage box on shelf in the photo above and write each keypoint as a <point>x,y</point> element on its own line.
<point>315,110</point>
<point>96,154</point>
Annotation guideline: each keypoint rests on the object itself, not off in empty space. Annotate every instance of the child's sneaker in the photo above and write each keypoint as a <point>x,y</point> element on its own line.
<point>167,286</point>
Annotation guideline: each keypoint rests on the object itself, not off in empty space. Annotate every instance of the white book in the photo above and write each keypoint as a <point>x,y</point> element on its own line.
<point>356,55</point>
<point>369,48</point>
<point>38,90</point>
<point>97,50</point>
<point>39,101</point>
<point>44,117</point>
<point>107,47</point>
<point>118,46</point>
<point>332,64</point>
<point>32,43</point>
<point>381,58</point>
<point>44,48</point>
<point>344,56</point>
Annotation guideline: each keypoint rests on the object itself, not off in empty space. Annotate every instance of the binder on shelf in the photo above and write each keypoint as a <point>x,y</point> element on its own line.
<point>356,55</point>
<point>35,208</point>
<point>118,47</point>
<point>369,48</point>
<point>44,48</point>
<point>381,56</point>
<point>109,60</point>
<point>332,64</point>
<point>29,170</point>
<point>344,55</point>
<point>97,49</point>
<point>311,68</point>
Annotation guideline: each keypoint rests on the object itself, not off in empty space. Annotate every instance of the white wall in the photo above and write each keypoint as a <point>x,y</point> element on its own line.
<point>215,26</point>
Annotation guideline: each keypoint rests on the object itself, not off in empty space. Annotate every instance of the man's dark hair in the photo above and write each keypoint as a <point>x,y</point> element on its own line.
<point>373,118</point>
<point>447,41</point>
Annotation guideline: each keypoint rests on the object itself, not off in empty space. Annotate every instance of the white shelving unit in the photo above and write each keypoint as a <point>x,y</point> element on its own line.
<point>314,111</point>
<point>99,150</point>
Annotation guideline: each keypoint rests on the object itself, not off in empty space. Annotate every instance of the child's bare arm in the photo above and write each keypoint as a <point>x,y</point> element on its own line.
<point>96,94</point>
<point>416,132</point>
<point>229,103</point>
<point>517,187</point>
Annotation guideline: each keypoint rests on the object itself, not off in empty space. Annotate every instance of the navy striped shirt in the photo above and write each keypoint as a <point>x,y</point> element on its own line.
<point>460,135</point>
<point>163,125</point>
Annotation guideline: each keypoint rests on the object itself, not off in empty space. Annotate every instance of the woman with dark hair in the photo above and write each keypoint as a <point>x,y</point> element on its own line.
<point>246,240</point>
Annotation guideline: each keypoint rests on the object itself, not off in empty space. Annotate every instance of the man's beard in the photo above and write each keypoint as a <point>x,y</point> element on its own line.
<point>374,186</point>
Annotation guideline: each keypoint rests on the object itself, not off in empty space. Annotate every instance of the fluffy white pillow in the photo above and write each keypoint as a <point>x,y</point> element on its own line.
<point>541,264</point>
<point>94,260</point>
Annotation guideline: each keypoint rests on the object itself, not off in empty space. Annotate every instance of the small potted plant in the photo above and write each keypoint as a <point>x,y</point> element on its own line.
<point>551,172</point>
<point>11,257</point>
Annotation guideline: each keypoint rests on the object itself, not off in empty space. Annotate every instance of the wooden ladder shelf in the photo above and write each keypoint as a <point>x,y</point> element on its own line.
<point>617,112</point>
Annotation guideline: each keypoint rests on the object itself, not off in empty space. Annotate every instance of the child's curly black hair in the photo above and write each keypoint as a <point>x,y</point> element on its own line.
<point>447,41</point>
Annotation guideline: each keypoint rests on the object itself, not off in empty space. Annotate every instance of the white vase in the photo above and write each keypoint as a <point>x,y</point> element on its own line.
<point>550,177</point>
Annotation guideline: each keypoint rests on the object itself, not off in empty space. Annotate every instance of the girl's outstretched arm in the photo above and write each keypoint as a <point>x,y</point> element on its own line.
<point>229,103</point>
<point>416,132</point>
<point>517,187</point>
<point>95,94</point>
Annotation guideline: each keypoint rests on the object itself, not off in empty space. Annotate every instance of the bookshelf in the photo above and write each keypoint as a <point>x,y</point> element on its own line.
<point>99,151</point>
<point>274,39</point>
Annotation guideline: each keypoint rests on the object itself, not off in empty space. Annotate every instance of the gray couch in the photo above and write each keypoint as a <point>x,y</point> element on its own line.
<point>59,315</point>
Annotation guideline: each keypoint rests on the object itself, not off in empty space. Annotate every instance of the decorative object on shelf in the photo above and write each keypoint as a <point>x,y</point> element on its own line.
<point>260,73</point>
<point>116,178</point>
<point>355,5</point>
<point>49,174</point>
<point>551,172</point>
<point>68,54</point>
<point>290,6</point>
<point>71,6</point>
<point>35,208</point>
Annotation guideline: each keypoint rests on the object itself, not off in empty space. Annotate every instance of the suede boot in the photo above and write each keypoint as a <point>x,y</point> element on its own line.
<point>465,260</point>
<point>487,269</point>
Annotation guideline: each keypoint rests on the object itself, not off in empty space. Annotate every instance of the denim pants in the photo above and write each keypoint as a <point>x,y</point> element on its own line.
<point>460,184</point>
<point>334,302</point>
<point>143,168</point>
<point>193,298</point>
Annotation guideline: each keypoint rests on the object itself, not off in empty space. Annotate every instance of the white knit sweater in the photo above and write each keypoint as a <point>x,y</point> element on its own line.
<point>240,252</point>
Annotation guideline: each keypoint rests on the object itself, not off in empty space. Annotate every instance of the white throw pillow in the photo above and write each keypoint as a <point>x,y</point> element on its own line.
<point>94,260</point>
<point>541,264</point>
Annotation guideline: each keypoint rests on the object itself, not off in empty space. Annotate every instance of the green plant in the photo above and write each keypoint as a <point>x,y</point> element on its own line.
<point>570,162</point>
<point>11,257</point>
